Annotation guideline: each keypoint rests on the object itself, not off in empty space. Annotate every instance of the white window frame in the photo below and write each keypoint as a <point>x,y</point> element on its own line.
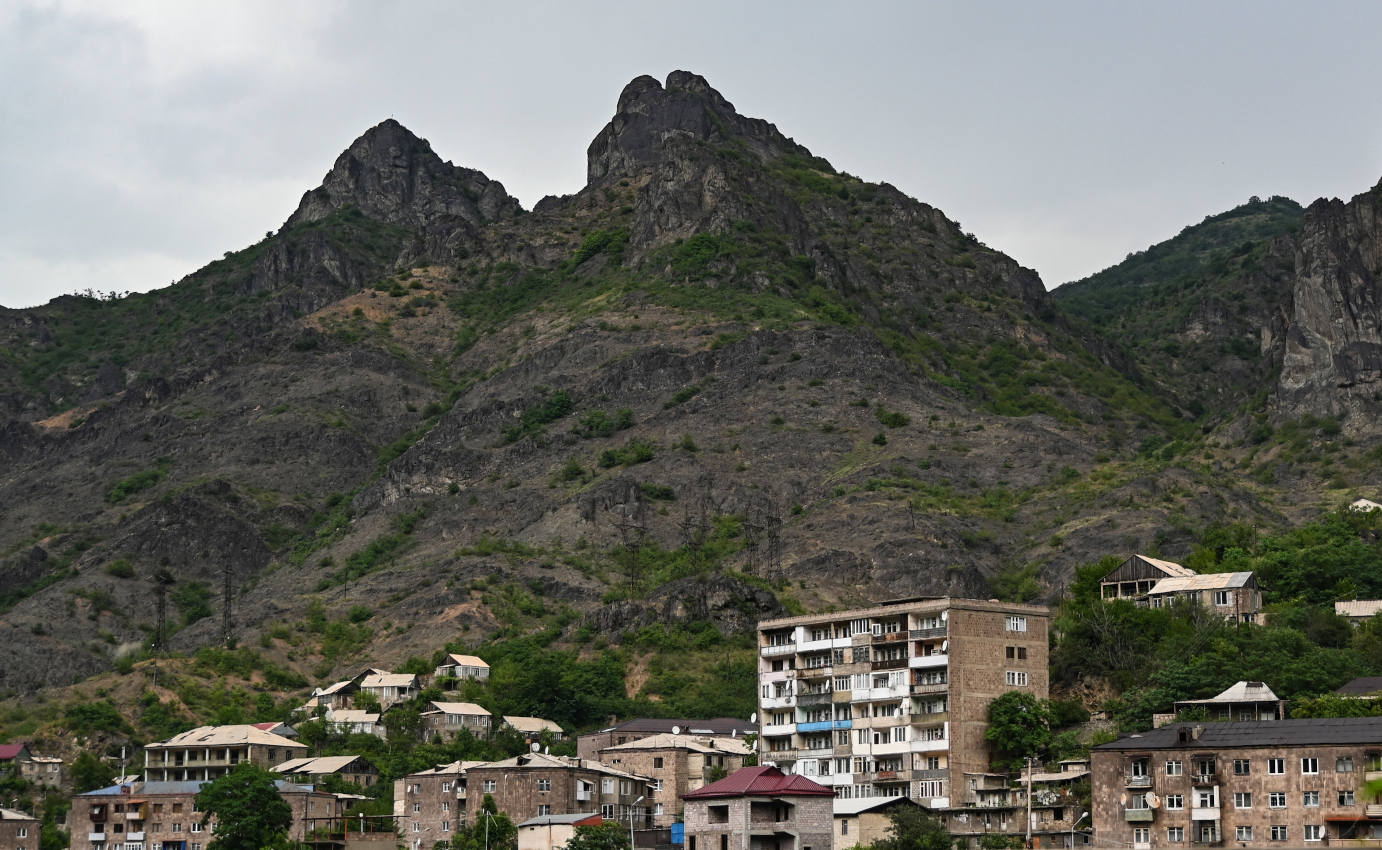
<point>1310,799</point>
<point>1276,766</point>
<point>1313,832</point>
<point>1175,834</point>
<point>1174,767</point>
<point>1017,623</point>
<point>1242,833</point>
<point>1309,765</point>
<point>1175,802</point>
<point>1276,799</point>
<point>1017,678</point>
<point>1279,832</point>
<point>1242,799</point>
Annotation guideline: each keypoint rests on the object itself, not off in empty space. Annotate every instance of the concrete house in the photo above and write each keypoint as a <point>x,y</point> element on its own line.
<point>353,769</point>
<point>18,831</point>
<point>389,688</point>
<point>551,832</point>
<point>760,808</point>
<point>355,721</point>
<point>676,764</point>
<point>462,667</point>
<point>448,719</point>
<point>864,820</point>
<point>210,751</point>
<point>1233,596</point>
<point>1358,611</point>
<point>588,746</point>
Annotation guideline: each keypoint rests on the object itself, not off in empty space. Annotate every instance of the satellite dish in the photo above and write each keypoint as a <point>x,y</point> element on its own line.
<point>1153,801</point>
<point>945,646</point>
<point>546,751</point>
<point>945,615</point>
<point>676,730</point>
<point>753,718</point>
<point>535,746</point>
<point>1123,800</point>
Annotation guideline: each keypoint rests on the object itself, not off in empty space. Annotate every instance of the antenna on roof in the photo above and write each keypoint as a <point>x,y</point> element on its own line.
<point>535,746</point>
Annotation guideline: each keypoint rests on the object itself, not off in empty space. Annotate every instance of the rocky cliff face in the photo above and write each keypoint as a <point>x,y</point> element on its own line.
<point>1331,354</point>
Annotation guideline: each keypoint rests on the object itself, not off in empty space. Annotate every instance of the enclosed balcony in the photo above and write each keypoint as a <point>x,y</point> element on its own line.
<point>1139,781</point>
<point>1137,815</point>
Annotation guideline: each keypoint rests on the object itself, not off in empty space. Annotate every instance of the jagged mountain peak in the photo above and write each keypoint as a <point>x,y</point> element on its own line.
<point>650,114</point>
<point>392,175</point>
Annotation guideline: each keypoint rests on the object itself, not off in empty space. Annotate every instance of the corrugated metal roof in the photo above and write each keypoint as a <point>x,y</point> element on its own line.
<point>389,680</point>
<point>713,726</point>
<point>465,661</point>
<point>532,724</point>
<point>858,805</point>
<point>1171,568</point>
<point>320,766</point>
<point>1207,581</point>
<point>1237,692</point>
<point>760,781</point>
<point>694,743</point>
<point>13,814</point>
<point>214,736</point>
<point>467,708</point>
<point>1265,733</point>
<point>550,820</point>
<point>1358,607</point>
<point>1361,686</point>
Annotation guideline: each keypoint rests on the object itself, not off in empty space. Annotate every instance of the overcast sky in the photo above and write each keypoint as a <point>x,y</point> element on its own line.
<point>140,140</point>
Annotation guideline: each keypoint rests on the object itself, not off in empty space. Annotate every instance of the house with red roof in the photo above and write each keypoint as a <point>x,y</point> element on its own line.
<point>760,808</point>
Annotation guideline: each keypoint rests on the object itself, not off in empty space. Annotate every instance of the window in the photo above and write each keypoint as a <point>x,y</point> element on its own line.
<point>1242,799</point>
<point>656,784</point>
<point>1309,765</point>
<point>1242,767</point>
<point>1276,800</point>
<point>657,808</point>
<point>1018,653</point>
<point>1243,833</point>
<point>177,827</point>
<point>1138,767</point>
<point>417,807</point>
<point>445,787</point>
<point>1017,677</point>
<point>1276,767</point>
<point>417,827</point>
<point>1173,768</point>
<point>1175,834</point>
<point>23,832</point>
<point>1140,835</point>
<point>607,811</point>
<point>1310,798</point>
<point>490,785</point>
<point>544,785</point>
<point>1207,799</point>
<point>1312,832</point>
<point>1175,801</point>
<point>1278,832</point>
<point>1346,797</point>
<point>446,826</point>
<point>445,806</point>
<point>196,826</point>
<point>657,762</point>
<point>1017,624</point>
<point>1221,597</point>
<point>1343,764</point>
<point>544,809</point>
<point>607,785</point>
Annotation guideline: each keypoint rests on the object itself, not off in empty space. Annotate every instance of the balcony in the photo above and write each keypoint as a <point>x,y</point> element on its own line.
<point>930,688</point>
<point>883,776</point>
<point>926,746</point>
<point>135,836</point>
<point>890,664</point>
<point>931,719</point>
<point>1372,810</point>
<point>778,649</point>
<point>1372,774</point>
<point>825,725</point>
<point>1142,781</point>
<point>1137,815</point>
<point>816,698</point>
<point>95,836</point>
<point>890,637</point>
<point>931,774</point>
<point>920,634</point>
<point>776,729</point>
<point>783,701</point>
<point>938,660</point>
<point>1205,779</point>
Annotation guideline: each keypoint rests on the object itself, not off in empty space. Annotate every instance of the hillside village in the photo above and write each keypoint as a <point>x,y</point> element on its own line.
<point>862,714</point>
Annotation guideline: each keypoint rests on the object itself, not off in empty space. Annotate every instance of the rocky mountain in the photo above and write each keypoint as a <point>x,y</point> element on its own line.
<point>723,380</point>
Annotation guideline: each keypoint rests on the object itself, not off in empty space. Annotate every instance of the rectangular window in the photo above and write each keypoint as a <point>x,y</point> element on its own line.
<point>607,811</point>
<point>1207,799</point>
<point>657,762</point>
<point>1343,764</point>
<point>1221,597</point>
<point>446,826</point>
<point>544,809</point>
<point>1310,798</point>
<point>1140,836</point>
<point>606,786</point>
<point>544,785</point>
<point>177,827</point>
<point>1017,653</point>
<point>196,826</point>
<point>1276,767</point>
<point>445,787</point>
<point>1312,832</point>
<point>1278,832</point>
<point>1276,800</point>
<point>1346,797</point>
<point>1174,802</point>
<point>417,807</point>
<point>1017,624</point>
<point>1309,765</point>
<point>1242,799</point>
<point>1243,833</point>
<point>1242,767</point>
<point>1017,677</point>
<point>490,785</point>
<point>1173,768</point>
<point>1175,834</point>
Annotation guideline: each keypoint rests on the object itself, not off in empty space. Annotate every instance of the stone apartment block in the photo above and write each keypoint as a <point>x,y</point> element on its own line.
<point>164,816</point>
<point>760,808</point>
<point>210,751</point>
<point>676,764</point>
<point>892,701</point>
<point>588,746</point>
<point>433,803</point>
<point>1283,783</point>
<point>18,831</point>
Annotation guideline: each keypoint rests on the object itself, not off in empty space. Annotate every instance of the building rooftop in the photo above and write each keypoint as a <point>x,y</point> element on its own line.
<point>940,603</point>
<point>1361,686</point>
<point>760,781</point>
<point>1171,568</point>
<point>464,661</point>
<point>351,715</point>
<point>1238,692</point>
<point>220,736</point>
<point>1358,607</point>
<point>718,726</point>
<point>694,743</point>
<point>1207,581</point>
<point>135,790</point>
<point>10,751</point>
<point>532,724</point>
<point>457,708</point>
<point>320,766</point>
<point>858,805</point>
<point>13,814</point>
<point>389,680</point>
<point>577,818</point>
<point>545,761</point>
<point>1300,732</point>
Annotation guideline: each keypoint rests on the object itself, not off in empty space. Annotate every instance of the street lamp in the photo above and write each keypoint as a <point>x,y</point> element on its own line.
<point>488,817</point>
<point>1072,829</point>
<point>631,808</point>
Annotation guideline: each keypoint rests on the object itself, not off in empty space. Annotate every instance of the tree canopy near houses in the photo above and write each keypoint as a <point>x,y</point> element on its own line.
<point>246,810</point>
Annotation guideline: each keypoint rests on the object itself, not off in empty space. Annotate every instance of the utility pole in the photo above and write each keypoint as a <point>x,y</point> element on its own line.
<point>1029,801</point>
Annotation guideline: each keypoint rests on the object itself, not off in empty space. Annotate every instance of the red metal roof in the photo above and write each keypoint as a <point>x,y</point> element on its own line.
<point>760,781</point>
<point>10,751</point>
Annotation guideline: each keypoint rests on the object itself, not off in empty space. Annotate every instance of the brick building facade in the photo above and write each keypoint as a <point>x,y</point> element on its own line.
<point>760,808</point>
<point>676,764</point>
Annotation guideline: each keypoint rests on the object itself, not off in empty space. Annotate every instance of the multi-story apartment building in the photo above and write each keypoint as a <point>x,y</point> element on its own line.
<point>210,751</point>
<point>1284,783</point>
<point>893,700</point>
<point>676,764</point>
<point>588,746</point>
<point>18,831</point>
<point>432,804</point>
<point>164,816</point>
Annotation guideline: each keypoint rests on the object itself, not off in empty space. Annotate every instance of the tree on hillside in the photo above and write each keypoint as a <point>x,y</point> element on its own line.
<point>247,810</point>
<point>1019,726</point>
<point>913,828</point>
<point>90,772</point>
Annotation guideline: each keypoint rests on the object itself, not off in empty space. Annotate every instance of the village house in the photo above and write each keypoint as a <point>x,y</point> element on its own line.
<point>1154,583</point>
<point>449,719</point>
<point>1135,577</point>
<point>18,831</point>
<point>1287,783</point>
<point>760,808</point>
<point>588,746</point>
<point>355,721</point>
<point>353,769</point>
<point>462,667</point>
<point>1358,611</point>
<point>551,832</point>
<point>676,764</point>
<point>1363,687</point>
<point>389,689</point>
<point>1242,701</point>
<point>211,751</point>
<point>533,728</point>
<point>164,816</point>
<point>864,820</point>
<point>40,770</point>
<point>1060,813</point>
